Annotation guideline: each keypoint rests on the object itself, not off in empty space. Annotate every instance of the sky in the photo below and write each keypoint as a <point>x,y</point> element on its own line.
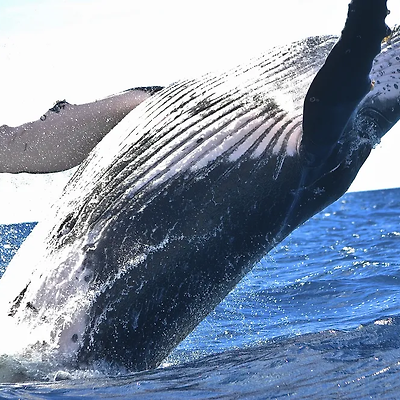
<point>82,50</point>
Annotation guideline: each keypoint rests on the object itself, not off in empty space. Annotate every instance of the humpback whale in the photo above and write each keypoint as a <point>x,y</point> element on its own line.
<point>195,185</point>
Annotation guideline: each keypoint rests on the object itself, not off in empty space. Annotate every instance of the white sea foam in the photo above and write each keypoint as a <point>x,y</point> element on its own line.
<point>27,197</point>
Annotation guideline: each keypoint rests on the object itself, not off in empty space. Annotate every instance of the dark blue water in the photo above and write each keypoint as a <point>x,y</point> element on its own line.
<point>319,317</point>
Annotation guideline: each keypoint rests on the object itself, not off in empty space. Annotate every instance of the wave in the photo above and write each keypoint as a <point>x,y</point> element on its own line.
<point>352,364</point>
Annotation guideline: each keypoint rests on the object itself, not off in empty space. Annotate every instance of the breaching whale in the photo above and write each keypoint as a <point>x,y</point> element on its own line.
<point>201,180</point>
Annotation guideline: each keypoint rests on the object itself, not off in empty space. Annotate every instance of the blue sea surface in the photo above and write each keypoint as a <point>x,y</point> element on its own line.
<point>318,317</point>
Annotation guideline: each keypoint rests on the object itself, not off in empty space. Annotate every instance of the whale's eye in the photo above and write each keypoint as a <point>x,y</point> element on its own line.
<point>74,338</point>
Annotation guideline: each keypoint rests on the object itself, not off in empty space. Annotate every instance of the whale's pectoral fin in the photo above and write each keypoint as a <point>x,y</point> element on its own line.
<point>380,108</point>
<point>343,80</point>
<point>64,136</point>
<point>337,91</point>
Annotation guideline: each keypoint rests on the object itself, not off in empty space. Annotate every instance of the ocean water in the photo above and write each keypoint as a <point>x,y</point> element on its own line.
<point>318,317</point>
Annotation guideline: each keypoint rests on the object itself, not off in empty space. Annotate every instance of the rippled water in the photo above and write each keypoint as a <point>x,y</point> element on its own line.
<point>300,324</point>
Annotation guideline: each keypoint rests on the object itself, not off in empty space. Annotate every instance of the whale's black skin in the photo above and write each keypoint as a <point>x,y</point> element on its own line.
<point>199,182</point>
<point>343,80</point>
